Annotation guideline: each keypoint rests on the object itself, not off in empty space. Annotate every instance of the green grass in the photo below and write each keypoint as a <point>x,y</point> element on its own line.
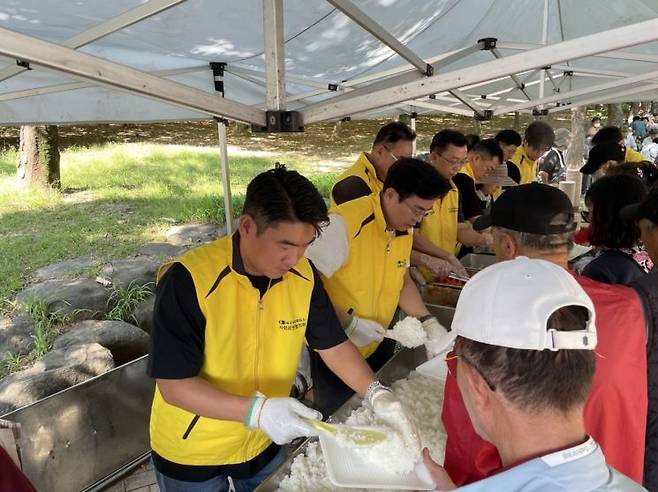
<point>115,198</point>
<point>124,302</point>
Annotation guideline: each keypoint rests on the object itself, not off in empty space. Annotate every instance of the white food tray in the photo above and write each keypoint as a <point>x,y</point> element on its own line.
<point>346,469</point>
<point>435,368</point>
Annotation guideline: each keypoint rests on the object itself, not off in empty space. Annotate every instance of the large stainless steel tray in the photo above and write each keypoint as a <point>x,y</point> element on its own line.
<point>477,261</point>
<point>399,367</point>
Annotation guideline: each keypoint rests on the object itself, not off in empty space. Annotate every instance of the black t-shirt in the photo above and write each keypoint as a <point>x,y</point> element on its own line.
<point>349,189</point>
<point>471,205</point>
<point>513,171</point>
<point>177,345</point>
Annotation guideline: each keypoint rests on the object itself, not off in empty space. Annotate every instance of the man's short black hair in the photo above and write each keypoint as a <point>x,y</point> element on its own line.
<point>539,135</point>
<point>489,148</point>
<point>446,137</point>
<point>409,176</point>
<point>279,195</point>
<point>508,137</point>
<point>471,140</point>
<point>607,134</point>
<point>394,132</point>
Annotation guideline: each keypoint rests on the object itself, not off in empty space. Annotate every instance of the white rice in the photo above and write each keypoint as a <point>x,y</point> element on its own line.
<point>421,396</point>
<point>409,332</point>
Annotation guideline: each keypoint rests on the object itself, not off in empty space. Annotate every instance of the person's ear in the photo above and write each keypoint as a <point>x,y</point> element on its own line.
<point>247,225</point>
<point>477,387</point>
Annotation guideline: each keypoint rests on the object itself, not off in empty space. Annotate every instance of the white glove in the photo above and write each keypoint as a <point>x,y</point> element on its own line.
<point>279,418</point>
<point>438,338</point>
<point>390,411</point>
<point>457,267</point>
<point>437,266</point>
<point>363,331</point>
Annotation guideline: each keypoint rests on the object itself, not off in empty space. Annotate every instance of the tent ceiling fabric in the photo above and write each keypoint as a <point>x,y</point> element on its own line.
<point>322,46</point>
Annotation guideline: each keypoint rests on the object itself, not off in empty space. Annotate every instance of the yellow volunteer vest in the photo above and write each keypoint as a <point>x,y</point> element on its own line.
<point>527,167</point>
<point>251,344</point>
<point>441,223</point>
<point>633,156</point>
<point>369,284</point>
<point>364,169</point>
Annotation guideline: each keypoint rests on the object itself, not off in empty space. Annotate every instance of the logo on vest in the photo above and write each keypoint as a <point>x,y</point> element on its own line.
<point>403,263</point>
<point>292,324</point>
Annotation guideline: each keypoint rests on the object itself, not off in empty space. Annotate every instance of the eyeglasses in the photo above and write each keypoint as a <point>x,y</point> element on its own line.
<point>454,162</point>
<point>417,212</point>
<point>449,357</point>
<point>395,157</point>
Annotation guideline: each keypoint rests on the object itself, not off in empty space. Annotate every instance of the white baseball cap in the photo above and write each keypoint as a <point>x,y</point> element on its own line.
<point>508,304</point>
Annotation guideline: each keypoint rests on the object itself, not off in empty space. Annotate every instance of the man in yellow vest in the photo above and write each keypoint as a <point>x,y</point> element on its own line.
<point>538,138</point>
<point>614,134</point>
<point>363,256</point>
<point>483,160</point>
<point>231,319</point>
<point>435,242</point>
<point>367,174</point>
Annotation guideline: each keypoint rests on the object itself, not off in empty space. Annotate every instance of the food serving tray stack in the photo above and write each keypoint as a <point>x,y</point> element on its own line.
<point>399,367</point>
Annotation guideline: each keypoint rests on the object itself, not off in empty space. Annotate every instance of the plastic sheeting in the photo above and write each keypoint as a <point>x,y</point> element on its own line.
<point>322,46</point>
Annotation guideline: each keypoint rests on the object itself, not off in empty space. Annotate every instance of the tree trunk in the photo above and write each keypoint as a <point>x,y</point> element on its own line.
<point>577,145</point>
<point>38,157</point>
<point>576,149</point>
<point>615,115</point>
<point>635,108</point>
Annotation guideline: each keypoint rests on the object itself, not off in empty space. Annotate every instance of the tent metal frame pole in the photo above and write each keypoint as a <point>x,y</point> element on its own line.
<point>611,54</point>
<point>630,35</point>
<point>519,85</point>
<point>405,77</point>
<point>428,104</point>
<point>275,70</point>
<point>53,89</point>
<point>579,92</point>
<point>464,99</point>
<point>438,61</point>
<point>123,77</point>
<point>236,70</point>
<point>103,29</point>
<point>604,98</point>
<point>226,178</point>
<point>412,125</point>
<point>544,40</point>
<point>366,22</point>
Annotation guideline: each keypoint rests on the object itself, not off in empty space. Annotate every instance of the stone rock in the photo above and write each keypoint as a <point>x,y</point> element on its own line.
<point>161,251</point>
<point>15,336</point>
<point>143,314</point>
<point>193,234</point>
<point>57,370</point>
<point>125,341</point>
<point>65,269</point>
<point>80,298</point>
<point>132,272</point>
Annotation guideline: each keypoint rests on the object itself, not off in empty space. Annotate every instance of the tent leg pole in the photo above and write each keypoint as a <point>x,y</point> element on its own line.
<point>226,181</point>
<point>412,124</point>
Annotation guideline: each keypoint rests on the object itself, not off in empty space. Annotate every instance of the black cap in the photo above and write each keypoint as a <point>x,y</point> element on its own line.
<point>647,209</point>
<point>534,208</point>
<point>602,153</point>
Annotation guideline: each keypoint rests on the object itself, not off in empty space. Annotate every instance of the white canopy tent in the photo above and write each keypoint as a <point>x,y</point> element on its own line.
<point>316,60</point>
